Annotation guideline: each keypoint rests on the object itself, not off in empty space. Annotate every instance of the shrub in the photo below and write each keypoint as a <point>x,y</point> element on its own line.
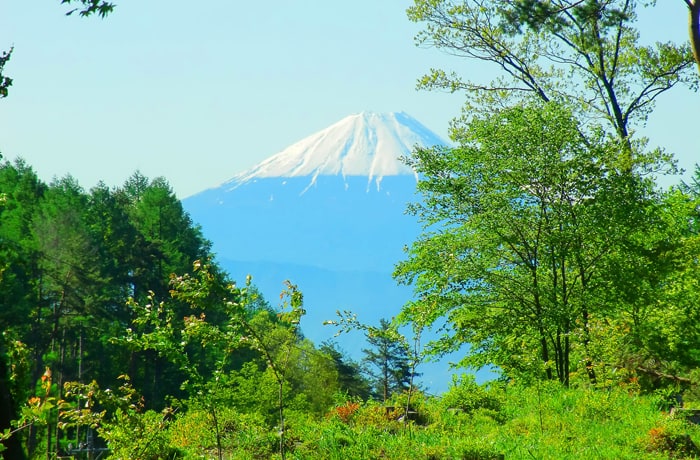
<point>671,438</point>
<point>344,412</point>
<point>138,435</point>
<point>467,396</point>
<point>244,434</point>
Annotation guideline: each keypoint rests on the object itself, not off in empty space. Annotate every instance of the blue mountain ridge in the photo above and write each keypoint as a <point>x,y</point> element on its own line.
<point>335,223</point>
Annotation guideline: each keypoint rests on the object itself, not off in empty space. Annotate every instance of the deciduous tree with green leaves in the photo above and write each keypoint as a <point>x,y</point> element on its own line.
<point>587,54</point>
<point>668,343</point>
<point>518,223</point>
<point>20,192</point>
<point>350,378</point>
<point>550,8</point>
<point>204,349</point>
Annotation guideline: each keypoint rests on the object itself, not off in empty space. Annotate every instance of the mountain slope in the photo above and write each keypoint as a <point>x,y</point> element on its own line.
<point>333,200</point>
<point>367,144</point>
<point>334,224</point>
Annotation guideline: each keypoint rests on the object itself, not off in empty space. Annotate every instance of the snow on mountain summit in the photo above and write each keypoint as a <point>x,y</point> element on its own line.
<point>364,144</point>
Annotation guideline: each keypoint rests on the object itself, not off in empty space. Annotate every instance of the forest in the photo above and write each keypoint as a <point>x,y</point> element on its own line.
<point>91,301</point>
<point>548,249</point>
<point>122,335</point>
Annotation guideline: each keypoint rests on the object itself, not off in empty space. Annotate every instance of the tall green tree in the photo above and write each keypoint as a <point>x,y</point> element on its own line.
<point>67,256</point>
<point>518,223</point>
<point>669,336</point>
<point>20,192</point>
<point>587,54</point>
<point>351,381</point>
<point>169,243</point>
<point>172,242</point>
<point>68,285</point>
<point>387,362</point>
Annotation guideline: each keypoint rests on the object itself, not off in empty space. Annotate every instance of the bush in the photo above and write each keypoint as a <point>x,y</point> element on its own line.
<point>139,435</point>
<point>671,438</point>
<point>242,434</point>
<point>467,396</point>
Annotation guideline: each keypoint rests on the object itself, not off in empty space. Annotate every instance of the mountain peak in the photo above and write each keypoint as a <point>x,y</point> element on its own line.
<point>363,144</point>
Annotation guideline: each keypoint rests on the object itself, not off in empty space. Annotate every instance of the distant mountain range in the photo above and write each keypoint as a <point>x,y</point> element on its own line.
<point>327,213</point>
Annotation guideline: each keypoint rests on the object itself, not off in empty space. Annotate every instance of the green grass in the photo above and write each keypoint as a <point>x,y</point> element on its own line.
<point>541,422</point>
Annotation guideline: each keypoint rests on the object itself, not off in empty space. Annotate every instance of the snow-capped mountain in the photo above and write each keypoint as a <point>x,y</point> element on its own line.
<point>366,144</point>
<point>333,200</point>
<point>327,213</point>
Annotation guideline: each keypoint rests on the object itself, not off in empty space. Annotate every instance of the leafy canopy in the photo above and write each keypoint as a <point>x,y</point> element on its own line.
<point>517,223</point>
<point>587,54</point>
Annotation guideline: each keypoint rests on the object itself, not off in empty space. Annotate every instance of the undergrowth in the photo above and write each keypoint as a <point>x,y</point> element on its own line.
<point>470,422</point>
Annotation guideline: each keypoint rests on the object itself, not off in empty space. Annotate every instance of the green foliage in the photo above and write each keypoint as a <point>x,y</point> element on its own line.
<point>652,335</point>
<point>587,54</point>
<point>466,396</point>
<point>671,438</point>
<point>69,260</point>
<point>523,227</point>
<point>89,7</point>
<point>276,343</point>
<point>545,248</point>
<point>5,82</point>
<point>243,435</point>
<point>672,334</point>
<point>351,381</point>
<point>121,420</point>
<point>138,435</point>
<point>387,361</point>
<point>15,354</point>
<point>255,390</point>
<point>39,411</point>
<point>547,421</point>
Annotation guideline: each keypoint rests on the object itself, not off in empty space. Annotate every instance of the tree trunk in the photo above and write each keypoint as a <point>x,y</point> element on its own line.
<point>559,356</point>
<point>694,28</point>
<point>592,378</point>
<point>48,440</point>
<point>281,402</point>
<point>567,354</point>
<point>545,354</point>
<point>215,419</point>
<point>59,383</point>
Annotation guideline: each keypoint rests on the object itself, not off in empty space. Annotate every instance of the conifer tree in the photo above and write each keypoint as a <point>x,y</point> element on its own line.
<point>387,361</point>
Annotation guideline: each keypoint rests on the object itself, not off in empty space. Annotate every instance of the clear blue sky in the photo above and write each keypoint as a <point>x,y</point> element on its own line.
<point>200,91</point>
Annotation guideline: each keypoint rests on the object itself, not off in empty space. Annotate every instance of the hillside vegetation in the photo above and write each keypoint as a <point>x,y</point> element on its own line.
<point>106,349</point>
